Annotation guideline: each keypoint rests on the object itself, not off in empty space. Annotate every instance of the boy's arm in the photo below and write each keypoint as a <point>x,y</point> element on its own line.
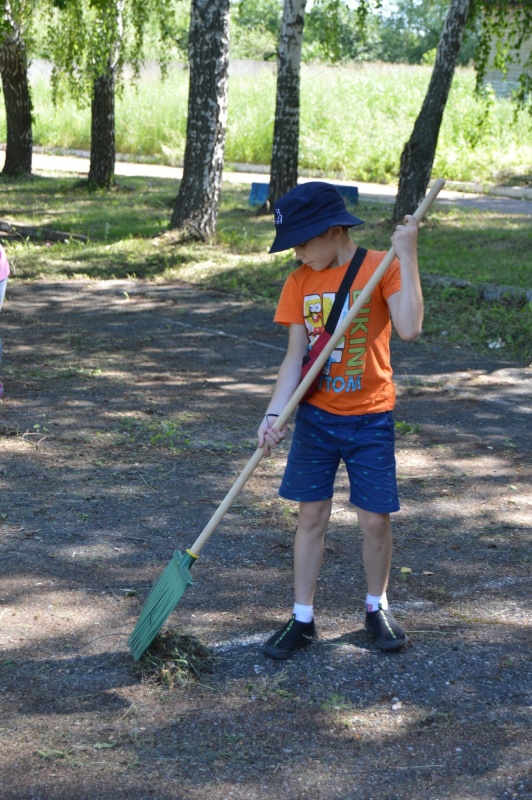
<point>406,305</point>
<point>288,379</point>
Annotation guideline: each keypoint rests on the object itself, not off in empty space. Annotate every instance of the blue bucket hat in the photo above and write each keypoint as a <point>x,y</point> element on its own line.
<point>306,211</point>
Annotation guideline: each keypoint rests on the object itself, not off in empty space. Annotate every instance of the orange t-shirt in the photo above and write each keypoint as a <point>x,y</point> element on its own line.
<point>357,378</point>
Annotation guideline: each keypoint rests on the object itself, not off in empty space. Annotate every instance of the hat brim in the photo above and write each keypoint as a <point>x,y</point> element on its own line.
<point>291,238</point>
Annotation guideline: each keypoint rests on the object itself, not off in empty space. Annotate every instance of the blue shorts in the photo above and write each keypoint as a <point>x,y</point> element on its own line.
<point>366,444</point>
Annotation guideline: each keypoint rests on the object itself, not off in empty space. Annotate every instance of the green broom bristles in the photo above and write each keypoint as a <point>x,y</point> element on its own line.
<point>161,601</point>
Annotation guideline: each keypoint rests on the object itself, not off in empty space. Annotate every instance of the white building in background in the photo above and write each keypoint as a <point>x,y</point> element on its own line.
<point>504,83</point>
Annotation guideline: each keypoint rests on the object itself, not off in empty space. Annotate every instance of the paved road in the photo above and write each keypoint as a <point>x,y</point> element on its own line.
<point>47,164</point>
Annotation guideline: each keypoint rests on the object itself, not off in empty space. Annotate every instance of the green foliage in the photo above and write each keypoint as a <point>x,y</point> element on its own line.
<point>337,32</point>
<point>89,38</point>
<point>266,14</point>
<point>504,26</point>
<point>17,19</point>
<point>413,30</point>
<point>417,26</point>
<point>255,26</point>
<point>253,44</point>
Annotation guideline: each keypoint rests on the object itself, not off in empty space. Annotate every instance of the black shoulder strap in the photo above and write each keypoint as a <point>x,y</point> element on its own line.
<point>341,294</point>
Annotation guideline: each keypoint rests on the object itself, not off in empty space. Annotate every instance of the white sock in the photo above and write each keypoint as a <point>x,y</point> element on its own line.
<point>374,601</point>
<point>303,613</point>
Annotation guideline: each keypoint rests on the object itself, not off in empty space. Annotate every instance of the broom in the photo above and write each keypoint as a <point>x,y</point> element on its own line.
<point>176,578</point>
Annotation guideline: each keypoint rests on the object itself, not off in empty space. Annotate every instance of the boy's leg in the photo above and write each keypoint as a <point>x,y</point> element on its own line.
<point>377,555</point>
<point>376,549</point>
<point>308,548</point>
<point>308,554</point>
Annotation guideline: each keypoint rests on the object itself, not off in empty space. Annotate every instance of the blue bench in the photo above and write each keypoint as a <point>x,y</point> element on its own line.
<point>259,193</point>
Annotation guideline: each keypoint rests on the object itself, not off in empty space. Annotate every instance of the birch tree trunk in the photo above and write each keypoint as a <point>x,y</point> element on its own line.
<point>103,139</point>
<point>197,203</point>
<point>285,151</point>
<point>103,148</point>
<point>17,98</point>
<point>417,157</point>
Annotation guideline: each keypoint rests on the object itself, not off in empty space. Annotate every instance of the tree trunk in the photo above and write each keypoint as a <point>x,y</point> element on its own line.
<point>196,206</point>
<point>417,157</point>
<point>102,156</point>
<point>285,151</point>
<point>17,98</point>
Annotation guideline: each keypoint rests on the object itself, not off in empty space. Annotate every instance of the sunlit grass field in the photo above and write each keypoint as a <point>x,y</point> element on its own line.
<point>354,122</point>
<point>124,226</point>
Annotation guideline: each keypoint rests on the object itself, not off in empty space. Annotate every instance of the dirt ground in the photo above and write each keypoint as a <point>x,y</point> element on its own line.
<point>129,411</point>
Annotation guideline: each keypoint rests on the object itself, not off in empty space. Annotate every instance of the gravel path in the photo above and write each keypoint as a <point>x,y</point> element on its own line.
<point>130,409</point>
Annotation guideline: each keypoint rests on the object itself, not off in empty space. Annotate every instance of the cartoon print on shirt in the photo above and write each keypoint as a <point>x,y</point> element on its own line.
<point>316,312</point>
<point>316,309</point>
<point>315,317</point>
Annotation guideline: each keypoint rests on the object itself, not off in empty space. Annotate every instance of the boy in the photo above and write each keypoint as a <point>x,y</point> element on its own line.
<point>349,415</point>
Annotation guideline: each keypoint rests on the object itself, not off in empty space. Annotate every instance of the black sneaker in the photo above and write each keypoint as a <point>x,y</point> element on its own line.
<point>386,631</point>
<point>289,638</point>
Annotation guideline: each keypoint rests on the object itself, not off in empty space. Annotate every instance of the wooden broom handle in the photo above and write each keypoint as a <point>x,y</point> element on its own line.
<point>309,377</point>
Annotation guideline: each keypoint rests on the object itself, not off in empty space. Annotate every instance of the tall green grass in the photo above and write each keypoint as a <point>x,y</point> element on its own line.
<point>354,122</point>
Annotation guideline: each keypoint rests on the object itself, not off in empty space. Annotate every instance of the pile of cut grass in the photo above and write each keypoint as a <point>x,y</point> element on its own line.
<point>175,659</point>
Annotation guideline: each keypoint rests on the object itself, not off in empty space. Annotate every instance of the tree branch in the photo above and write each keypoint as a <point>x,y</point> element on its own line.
<point>37,234</point>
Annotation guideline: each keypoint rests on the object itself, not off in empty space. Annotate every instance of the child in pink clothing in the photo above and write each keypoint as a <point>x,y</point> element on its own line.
<point>4,273</point>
